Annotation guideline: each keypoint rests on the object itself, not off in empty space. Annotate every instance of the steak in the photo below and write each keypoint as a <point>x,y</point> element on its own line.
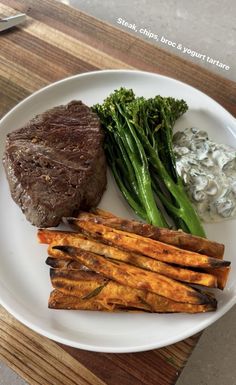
<point>55,164</point>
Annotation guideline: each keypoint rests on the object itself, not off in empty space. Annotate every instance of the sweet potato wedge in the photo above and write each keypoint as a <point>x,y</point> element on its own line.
<point>149,247</point>
<point>176,238</point>
<point>133,276</point>
<point>84,283</point>
<point>65,264</point>
<point>221,274</point>
<point>175,272</point>
<point>59,300</point>
<point>114,295</point>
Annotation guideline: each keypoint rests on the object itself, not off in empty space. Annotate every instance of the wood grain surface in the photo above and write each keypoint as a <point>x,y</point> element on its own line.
<point>55,42</point>
<point>39,360</point>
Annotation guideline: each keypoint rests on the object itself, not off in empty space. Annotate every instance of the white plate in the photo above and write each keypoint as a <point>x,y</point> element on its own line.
<point>24,277</point>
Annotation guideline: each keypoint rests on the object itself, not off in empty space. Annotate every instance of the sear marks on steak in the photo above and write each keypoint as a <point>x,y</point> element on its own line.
<point>56,164</point>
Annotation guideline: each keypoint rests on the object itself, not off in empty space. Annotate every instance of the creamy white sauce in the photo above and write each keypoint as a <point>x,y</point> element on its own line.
<point>208,170</point>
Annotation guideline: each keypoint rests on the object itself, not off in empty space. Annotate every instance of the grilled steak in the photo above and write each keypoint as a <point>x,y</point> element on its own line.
<point>56,164</point>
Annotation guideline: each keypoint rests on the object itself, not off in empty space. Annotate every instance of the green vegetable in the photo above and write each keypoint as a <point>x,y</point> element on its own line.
<point>138,145</point>
<point>95,292</point>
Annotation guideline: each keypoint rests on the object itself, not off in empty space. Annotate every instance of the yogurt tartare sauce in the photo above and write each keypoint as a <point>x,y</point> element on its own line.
<point>208,170</point>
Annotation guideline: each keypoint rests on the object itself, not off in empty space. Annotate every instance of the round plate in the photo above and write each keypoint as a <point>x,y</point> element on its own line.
<point>24,277</point>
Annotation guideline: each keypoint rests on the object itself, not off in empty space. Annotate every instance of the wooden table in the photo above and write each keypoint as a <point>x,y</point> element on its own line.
<point>55,42</point>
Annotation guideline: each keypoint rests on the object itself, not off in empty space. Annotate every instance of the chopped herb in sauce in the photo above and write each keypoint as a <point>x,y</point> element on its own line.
<point>208,170</point>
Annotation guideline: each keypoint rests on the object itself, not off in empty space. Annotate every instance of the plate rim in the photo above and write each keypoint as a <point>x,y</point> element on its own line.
<point>131,349</point>
<point>97,72</point>
<point>106,349</point>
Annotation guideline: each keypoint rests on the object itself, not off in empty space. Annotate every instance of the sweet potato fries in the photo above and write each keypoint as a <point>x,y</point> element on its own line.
<point>112,264</point>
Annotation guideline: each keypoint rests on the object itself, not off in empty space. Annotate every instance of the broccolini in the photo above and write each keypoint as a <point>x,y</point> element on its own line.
<point>139,150</point>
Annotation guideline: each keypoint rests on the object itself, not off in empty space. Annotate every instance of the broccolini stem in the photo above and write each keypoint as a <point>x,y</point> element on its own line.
<point>133,203</point>
<point>142,174</point>
<point>185,210</point>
